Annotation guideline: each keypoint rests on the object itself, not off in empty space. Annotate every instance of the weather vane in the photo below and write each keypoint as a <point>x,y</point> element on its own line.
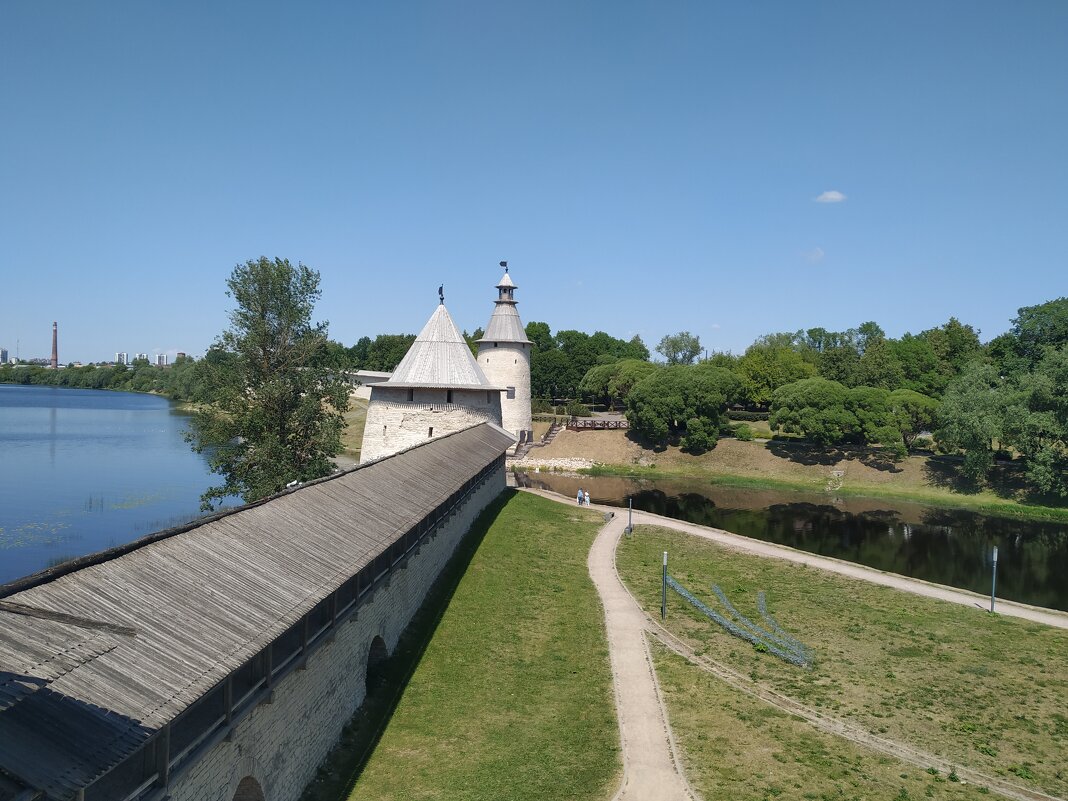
<point>504,264</point>
<point>441,294</point>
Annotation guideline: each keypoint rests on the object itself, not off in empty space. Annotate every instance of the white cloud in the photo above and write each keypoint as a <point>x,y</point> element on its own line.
<point>830,196</point>
<point>815,256</point>
<point>715,326</point>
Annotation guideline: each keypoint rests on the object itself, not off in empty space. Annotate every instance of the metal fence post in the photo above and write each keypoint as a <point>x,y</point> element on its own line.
<point>663,591</point>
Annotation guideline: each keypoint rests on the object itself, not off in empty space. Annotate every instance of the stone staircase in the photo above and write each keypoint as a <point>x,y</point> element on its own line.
<point>523,448</point>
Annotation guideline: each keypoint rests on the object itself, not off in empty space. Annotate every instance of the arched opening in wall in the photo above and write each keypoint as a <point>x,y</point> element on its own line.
<point>376,663</point>
<point>249,790</point>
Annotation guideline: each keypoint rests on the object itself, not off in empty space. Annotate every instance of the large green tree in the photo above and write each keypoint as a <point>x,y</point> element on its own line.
<point>680,348</point>
<point>1039,328</point>
<point>768,365</point>
<point>682,402</point>
<point>914,413</point>
<point>1036,421</point>
<point>971,417</point>
<point>276,413</point>
<point>611,383</point>
<point>815,408</point>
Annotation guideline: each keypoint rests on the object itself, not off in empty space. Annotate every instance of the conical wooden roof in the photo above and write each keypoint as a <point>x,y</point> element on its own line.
<point>440,358</point>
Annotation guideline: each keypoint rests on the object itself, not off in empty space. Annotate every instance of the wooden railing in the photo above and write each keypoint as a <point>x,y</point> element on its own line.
<point>595,424</point>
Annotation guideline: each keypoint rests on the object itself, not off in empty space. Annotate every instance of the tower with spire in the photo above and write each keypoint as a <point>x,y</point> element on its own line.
<point>504,356</point>
<point>438,388</point>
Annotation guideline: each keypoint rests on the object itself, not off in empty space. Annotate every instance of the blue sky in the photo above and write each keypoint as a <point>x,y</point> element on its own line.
<point>644,167</point>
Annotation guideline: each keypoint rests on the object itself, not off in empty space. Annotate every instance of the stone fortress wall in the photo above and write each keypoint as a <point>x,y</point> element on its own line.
<point>274,752</point>
<point>398,418</point>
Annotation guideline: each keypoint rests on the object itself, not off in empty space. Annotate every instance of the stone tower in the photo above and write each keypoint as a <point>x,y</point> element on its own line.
<point>436,389</point>
<point>504,356</point>
<point>55,345</point>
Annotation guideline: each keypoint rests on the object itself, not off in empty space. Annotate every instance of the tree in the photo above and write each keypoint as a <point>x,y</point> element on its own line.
<point>765,367</point>
<point>1036,421</point>
<point>815,408</point>
<point>680,348</point>
<point>971,417</point>
<point>879,367</point>
<point>682,402</point>
<point>541,335</point>
<point>839,363</point>
<point>1038,328</point>
<point>914,413</point>
<point>610,384</point>
<point>386,352</point>
<point>277,409</point>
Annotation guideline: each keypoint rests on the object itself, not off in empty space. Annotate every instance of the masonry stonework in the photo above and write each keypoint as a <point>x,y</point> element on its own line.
<point>508,365</point>
<point>395,423</point>
<point>282,743</point>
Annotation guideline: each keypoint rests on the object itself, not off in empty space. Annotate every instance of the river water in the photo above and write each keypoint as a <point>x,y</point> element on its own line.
<point>83,470</point>
<point>946,546</point>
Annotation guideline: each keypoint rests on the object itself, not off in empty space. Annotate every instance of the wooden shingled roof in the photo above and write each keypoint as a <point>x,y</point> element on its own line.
<point>75,700</point>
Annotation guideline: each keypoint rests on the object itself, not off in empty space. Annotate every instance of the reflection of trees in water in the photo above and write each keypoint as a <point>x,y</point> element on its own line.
<point>946,546</point>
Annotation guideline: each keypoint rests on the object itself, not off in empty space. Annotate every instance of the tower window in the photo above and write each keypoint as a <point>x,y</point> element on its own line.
<point>448,396</point>
<point>430,431</point>
<point>511,393</point>
<point>411,395</point>
<point>494,344</point>
<point>489,397</point>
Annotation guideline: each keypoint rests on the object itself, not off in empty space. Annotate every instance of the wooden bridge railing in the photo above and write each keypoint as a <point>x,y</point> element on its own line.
<point>595,424</point>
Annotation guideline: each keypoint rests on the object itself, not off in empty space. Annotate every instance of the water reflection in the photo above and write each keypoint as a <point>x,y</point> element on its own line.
<point>946,546</point>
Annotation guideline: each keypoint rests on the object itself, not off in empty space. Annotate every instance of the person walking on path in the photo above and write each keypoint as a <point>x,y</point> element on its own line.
<point>580,497</point>
<point>587,497</point>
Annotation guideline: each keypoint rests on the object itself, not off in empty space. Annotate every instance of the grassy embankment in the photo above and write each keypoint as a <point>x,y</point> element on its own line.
<point>983,691</point>
<point>507,692</point>
<point>798,467</point>
<point>355,419</point>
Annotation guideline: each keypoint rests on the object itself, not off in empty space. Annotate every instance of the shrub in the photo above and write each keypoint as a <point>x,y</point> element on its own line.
<point>743,432</point>
<point>576,409</point>
<point>748,416</point>
<point>541,406</point>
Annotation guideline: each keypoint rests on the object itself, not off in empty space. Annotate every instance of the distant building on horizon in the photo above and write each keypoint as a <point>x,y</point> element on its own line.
<point>55,345</point>
<point>141,357</point>
<point>161,360</point>
<point>179,355</point>
<point>122,357</point>
<point>3,355</point>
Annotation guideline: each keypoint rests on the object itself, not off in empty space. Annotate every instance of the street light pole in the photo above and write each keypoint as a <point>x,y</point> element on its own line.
<point>663,591</point>
<point>994,579</point>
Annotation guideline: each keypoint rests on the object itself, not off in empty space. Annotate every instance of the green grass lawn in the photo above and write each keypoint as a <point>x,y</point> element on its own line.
<point>739,748</point>
<point>509,691</point>
<point>983,691</point>
<point>355,419</point>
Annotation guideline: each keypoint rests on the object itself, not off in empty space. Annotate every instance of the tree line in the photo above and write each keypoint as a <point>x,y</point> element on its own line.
<point>859,387</point>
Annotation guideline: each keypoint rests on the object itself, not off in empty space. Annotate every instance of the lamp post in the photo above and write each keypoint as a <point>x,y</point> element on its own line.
<point>994,579</point>
<point>663,591</point>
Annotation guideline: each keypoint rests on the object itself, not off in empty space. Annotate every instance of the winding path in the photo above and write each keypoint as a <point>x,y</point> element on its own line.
<point>651,765</point>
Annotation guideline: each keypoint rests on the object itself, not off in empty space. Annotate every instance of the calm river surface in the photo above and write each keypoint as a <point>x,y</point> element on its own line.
<point>82,470</point>
<point>946,546</point>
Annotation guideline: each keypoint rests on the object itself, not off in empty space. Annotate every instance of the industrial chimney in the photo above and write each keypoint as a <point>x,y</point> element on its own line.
<point>55,346</point>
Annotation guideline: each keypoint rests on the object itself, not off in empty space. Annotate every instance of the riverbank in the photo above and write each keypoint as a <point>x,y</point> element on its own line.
<point>909,675</point>
<point>776,465</point>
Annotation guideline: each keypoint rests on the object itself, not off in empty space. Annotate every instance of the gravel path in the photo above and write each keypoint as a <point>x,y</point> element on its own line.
<point>650,766</point>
